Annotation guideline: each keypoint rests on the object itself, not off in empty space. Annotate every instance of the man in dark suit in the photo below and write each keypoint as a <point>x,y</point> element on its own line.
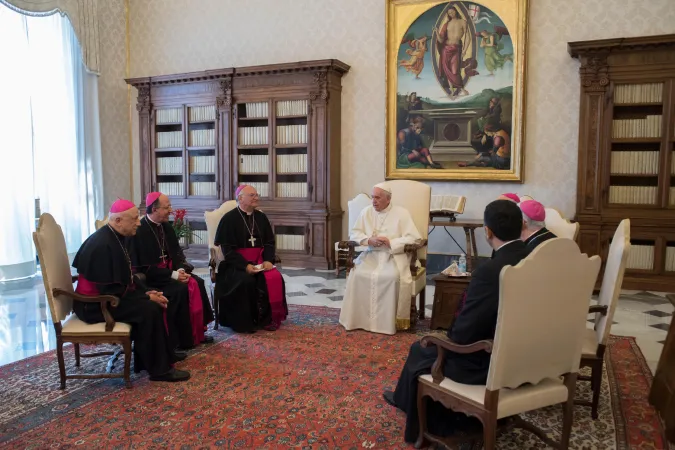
<point>534,226</point>
<point>476,320</point>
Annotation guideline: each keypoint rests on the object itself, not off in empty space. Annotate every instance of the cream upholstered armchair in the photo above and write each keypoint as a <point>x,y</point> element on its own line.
<point>100,223</point>
<point>595,340</point>
<point>212,219</point>
<point>51,249</point>
<point>536,349</point>
<point>347,253</point>
<point>560,226</point>
<point>416,198</point>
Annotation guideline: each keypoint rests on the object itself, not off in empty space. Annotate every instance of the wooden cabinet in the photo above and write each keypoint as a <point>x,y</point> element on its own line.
<point>275,127</point>
<point>447,297</point>
<point>626,167</point>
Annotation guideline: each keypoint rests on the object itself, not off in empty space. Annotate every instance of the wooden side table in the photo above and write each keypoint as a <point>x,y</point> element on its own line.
<point>662,394</point>
<point>447,297</point>
<point>469,226</point>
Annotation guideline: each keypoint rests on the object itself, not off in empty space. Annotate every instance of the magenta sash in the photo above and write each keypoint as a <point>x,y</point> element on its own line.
<point>196,308</point>
<point>274,284</point>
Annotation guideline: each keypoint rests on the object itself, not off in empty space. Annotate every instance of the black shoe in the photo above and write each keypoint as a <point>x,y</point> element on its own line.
<point>172,375</point>
<point>208,340</point>
<point>179,355</point>
<point>389,398</point>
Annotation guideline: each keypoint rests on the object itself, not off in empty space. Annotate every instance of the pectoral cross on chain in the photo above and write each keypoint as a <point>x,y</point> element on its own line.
<point>252,241</point>
<point>163,257</point>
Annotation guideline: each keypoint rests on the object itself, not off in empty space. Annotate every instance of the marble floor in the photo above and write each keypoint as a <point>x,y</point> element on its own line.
<point>26,327</point>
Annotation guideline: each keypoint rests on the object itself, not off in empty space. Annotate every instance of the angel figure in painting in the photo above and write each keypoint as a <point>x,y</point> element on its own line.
<point>492,44</point>
<point>416,62</point>
<point>452,45</point>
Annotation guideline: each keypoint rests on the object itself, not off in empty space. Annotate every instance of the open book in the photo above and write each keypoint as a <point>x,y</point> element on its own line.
<point>447,204</point>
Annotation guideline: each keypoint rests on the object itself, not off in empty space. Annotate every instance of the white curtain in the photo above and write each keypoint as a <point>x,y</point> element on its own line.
<point>49,137</point>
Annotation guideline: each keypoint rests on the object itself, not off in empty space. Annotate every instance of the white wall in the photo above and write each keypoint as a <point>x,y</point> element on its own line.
<point>170,36</point>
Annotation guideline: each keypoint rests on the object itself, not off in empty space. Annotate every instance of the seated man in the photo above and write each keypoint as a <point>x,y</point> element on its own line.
<point>157,253</point>
<point>104,268</point>
<point>476,320</point>
<point>379,288</point>
<point>534,225</point>
<point>249,288</point>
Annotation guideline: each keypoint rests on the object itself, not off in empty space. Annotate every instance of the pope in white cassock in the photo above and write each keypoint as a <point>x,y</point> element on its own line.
<point>379,288</point>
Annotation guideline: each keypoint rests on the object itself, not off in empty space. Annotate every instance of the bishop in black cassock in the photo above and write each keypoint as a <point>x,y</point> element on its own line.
<point>249,297</point>
<point>534,229</point>
<point>157,253</point>
<point>104,267</point>
<point>476,320</point>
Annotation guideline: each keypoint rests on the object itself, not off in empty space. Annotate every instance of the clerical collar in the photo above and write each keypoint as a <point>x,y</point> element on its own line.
<point>247,213</point>
<point>148,217</point>
<point>505,244</point>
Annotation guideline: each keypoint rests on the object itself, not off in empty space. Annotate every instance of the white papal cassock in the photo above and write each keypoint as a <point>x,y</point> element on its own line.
<point>379,287</point>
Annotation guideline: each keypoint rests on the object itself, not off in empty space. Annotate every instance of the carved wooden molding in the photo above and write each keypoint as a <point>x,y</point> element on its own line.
<point>143,104</point>
<point>594,72</point>
<point>321,82</point>
<point>581,48</point>
<point>224,99</point>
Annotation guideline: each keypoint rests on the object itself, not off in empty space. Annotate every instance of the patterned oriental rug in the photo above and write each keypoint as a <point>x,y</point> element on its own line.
<point>309,385</point>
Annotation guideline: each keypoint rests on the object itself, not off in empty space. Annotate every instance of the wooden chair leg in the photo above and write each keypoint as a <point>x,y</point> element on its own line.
<point>77,354</point>
<point>423,302</point>
<point>596,375</point>
<point>62,364</point>
<point>422,415</point>
<point>127,362</point>
<point>568,410</point>
<point>490,433</point>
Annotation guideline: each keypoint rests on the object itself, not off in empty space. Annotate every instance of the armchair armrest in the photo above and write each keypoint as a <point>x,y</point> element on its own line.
<point>602,309</point>
<point>411,249</point>
<point>213,262</point>
<point>102,299</point>
<point>349,259</point>
<point>188,267</point>
<point>444,343</point>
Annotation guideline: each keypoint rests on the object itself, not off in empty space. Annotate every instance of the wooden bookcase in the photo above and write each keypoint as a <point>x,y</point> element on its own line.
<point>276,127</point>
<point>626,144</point>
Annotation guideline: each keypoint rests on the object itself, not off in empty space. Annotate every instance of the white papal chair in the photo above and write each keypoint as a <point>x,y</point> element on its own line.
<point>354,208</point>
<point>596,339</point>
<point>536,349</point>
<point>560,226</point>
<point>212,219</point>
<point>58,281</point>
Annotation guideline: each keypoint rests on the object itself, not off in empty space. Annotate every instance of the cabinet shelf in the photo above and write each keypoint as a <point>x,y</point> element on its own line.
<point>169,149</point>
<point>625,105</point>
<point>301,116</point>
<point>252,147</point>
<point>251,119</point>
<point>208,147</point>
<point>635,140</point>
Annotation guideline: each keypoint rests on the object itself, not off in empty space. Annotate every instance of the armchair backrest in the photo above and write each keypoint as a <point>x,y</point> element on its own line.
<point>612,279</point>
<point>51,249</point>
<point>212,219</point>
<point>560,226</point>
<point>99,223</point>
<point>354,208</point>
<point>416,198</point>
<point>543,308</point>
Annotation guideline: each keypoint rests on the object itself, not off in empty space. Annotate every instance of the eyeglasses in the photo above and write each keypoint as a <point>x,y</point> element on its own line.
<point>252,195</point>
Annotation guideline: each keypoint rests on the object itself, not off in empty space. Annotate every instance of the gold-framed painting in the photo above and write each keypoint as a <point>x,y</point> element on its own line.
<point>455,76</point>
